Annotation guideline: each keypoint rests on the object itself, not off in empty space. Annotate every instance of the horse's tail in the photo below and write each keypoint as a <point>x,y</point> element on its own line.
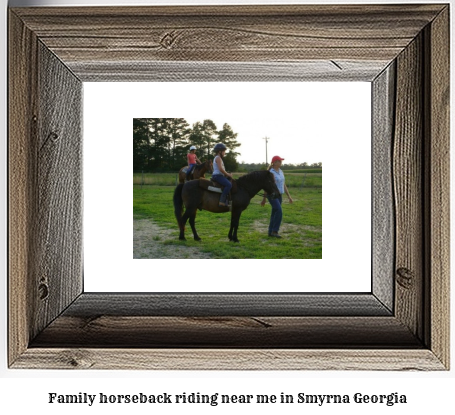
<point>178,202</point>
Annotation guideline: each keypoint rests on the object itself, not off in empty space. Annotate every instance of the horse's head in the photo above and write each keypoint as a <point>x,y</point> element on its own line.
<point>209,164</point>
<point>270,186</point>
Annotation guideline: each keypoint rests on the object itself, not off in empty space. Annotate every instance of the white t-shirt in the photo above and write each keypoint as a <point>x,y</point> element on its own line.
<point>216,169</point>
<point>279,179</point>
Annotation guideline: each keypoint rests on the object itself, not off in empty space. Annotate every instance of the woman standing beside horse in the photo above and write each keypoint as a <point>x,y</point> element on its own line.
<point>277,212</point>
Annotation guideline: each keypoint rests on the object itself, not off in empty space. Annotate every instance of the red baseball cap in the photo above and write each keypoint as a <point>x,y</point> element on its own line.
<point>276,158</point>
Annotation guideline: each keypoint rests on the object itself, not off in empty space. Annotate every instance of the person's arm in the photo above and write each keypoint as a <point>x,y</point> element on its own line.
<point>287,192</point>
<point>264,199</point>
<point>199,161</point>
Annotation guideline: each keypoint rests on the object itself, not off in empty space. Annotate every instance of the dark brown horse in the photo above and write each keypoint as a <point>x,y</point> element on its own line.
<point>199,171</point>
<point>195,197</point>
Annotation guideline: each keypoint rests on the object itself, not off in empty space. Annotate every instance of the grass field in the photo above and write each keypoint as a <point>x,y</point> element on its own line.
<point>295,178</point>
<point>301,227</point>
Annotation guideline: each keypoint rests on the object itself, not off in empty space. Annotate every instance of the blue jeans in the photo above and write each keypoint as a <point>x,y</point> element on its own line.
<point>277,214</point>
<point>219,178</point>
<point>189,170</point>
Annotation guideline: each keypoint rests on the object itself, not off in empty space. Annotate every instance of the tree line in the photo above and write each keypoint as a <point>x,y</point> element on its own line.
<point>162,144</point>
<point>248,167</point>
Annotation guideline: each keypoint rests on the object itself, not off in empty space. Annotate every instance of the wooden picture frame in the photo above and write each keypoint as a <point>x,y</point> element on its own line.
<point>403,324</point>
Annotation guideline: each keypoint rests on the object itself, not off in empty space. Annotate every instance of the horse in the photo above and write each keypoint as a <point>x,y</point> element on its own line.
<point>194,197</point>
<point>199,171</point>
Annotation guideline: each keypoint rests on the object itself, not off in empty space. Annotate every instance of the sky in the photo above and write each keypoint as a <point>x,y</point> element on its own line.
<point>299,119</point>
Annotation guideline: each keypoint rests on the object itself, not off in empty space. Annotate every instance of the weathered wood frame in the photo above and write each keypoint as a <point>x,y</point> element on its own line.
<point>403,324</point>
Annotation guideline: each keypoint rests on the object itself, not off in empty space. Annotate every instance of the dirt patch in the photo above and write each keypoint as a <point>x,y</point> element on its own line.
<point>149,241</point>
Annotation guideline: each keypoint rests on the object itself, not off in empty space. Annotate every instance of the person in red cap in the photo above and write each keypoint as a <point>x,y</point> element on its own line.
<point>277,212</point>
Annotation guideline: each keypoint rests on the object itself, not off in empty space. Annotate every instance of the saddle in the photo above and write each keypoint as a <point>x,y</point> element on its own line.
<point>213,186</point>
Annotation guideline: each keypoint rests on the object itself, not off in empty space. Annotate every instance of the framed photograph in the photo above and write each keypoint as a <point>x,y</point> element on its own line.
<point>402,323</point>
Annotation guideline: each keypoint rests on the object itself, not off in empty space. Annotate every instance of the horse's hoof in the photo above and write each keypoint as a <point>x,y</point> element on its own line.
<point>182,238</point>
<point>198,239</point>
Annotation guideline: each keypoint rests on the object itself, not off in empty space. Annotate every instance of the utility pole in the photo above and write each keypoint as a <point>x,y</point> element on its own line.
<point>266,141</point>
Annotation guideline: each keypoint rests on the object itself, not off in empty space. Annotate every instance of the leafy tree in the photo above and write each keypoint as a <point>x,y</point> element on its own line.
<point>141,143</point>
<point>161,144</point>
<point>196,137</point>
<point>228,137</point>
<point>178,131</point>
<point>209,133</point>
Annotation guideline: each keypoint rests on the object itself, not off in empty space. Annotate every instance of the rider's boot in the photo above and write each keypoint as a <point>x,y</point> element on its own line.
<point>222,201</point>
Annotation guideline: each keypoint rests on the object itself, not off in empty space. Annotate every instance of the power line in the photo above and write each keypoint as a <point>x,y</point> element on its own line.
<point>266,141</point>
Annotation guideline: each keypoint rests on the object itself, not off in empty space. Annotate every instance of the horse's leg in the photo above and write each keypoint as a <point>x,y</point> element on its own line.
<point>230,230</point>
<point>235,219</point>
<point>193,227</point>
<point>182,224</point>
<point>190,213</point>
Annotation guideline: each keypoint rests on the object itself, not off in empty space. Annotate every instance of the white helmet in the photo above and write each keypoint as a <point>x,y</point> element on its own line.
<point>192,148</point>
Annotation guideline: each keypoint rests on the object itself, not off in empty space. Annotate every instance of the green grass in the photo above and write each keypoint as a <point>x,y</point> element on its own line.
<point>155,179</point>
<point>309,170</point>
<point>293,178</point>
<point>303,179</point>
<point>301,227</point>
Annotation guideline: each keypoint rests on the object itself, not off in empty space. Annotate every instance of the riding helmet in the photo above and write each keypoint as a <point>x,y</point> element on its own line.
<point>192,148</point>
<point>219,147</point>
